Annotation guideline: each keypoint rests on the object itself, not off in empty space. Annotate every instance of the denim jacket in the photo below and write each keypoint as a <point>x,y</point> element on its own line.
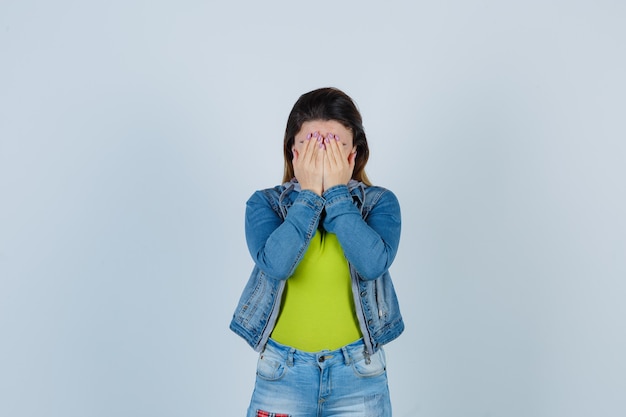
<point>280,223</point>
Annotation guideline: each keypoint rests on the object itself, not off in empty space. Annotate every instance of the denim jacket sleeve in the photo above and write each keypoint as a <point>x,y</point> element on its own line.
<point>369,244</point>
<point>277,246</point>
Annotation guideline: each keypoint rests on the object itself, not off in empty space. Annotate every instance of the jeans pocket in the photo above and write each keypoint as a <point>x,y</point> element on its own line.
<point>270,367</point>
<point>370,366</point>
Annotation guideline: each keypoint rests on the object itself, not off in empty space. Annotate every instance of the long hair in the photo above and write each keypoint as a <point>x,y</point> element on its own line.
<point>327,104</point>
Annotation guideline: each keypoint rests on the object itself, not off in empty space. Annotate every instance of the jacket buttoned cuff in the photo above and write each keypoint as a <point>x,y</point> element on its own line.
<point>337,194</point>
<point>311,200</point>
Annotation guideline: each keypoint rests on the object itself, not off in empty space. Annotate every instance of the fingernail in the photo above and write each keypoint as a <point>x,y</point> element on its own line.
<point>330,136</point>
<point>326,140</point>
<point>315,135</point>
<point>308,136</point>
<point>336,138</point>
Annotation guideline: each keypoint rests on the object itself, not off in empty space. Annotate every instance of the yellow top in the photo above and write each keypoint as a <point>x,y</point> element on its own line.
<point>317,311</point>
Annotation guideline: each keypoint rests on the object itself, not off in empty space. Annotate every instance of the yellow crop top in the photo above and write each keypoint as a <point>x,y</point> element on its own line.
<point>317,310</point>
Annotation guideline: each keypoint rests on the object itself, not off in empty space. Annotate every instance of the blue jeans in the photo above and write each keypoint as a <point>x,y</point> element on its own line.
<point>339,383</point>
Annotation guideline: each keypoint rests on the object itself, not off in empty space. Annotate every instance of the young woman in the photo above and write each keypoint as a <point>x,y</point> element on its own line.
<point>320,304</point>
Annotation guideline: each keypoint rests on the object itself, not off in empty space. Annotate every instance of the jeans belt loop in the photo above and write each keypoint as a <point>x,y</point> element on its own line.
<point>290,357</point>
<point>346,356</point>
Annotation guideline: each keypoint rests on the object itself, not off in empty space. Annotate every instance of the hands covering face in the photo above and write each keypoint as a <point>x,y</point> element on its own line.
<point>323,161</point>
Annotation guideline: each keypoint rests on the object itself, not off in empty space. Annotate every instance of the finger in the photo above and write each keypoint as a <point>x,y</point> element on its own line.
<point>333,147</point>
<point>320,153</point>
<point>309,144</point>
<point>320,140</point>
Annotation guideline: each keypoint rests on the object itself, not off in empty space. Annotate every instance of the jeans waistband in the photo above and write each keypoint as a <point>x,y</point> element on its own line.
<point>352,352</point>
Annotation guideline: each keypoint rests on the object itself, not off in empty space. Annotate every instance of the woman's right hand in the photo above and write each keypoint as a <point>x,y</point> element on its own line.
<point>308,162</point>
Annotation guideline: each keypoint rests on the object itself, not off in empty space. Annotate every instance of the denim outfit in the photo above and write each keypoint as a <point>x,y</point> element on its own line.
<point>280,223</point>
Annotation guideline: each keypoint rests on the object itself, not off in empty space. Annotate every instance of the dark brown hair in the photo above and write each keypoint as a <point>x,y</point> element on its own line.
<point>327,104</point>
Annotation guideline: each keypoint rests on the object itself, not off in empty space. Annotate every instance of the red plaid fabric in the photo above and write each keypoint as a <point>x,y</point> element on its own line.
<point>261,413</point>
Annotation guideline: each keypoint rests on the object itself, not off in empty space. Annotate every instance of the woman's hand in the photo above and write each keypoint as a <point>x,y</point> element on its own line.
<point>308,165</point>
<point>338,163</point>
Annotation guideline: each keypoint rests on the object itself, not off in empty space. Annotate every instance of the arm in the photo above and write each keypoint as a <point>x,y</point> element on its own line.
<point>369,245</point>
<point>277,246</point>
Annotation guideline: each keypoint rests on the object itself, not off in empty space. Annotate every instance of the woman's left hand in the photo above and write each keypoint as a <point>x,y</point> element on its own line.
<point>338,166</point>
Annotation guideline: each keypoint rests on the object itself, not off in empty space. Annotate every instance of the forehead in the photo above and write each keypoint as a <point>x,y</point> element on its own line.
<point>324,127</point>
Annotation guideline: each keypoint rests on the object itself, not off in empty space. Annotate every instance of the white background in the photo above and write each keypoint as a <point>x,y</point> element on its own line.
<point>133,132</point>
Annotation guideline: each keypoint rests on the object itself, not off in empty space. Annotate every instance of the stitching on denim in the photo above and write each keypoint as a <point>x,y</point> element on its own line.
<point>270,199</point>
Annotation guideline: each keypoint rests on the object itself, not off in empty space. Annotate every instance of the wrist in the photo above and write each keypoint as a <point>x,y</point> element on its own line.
<point>317,190</point>
<point>336,190</point>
